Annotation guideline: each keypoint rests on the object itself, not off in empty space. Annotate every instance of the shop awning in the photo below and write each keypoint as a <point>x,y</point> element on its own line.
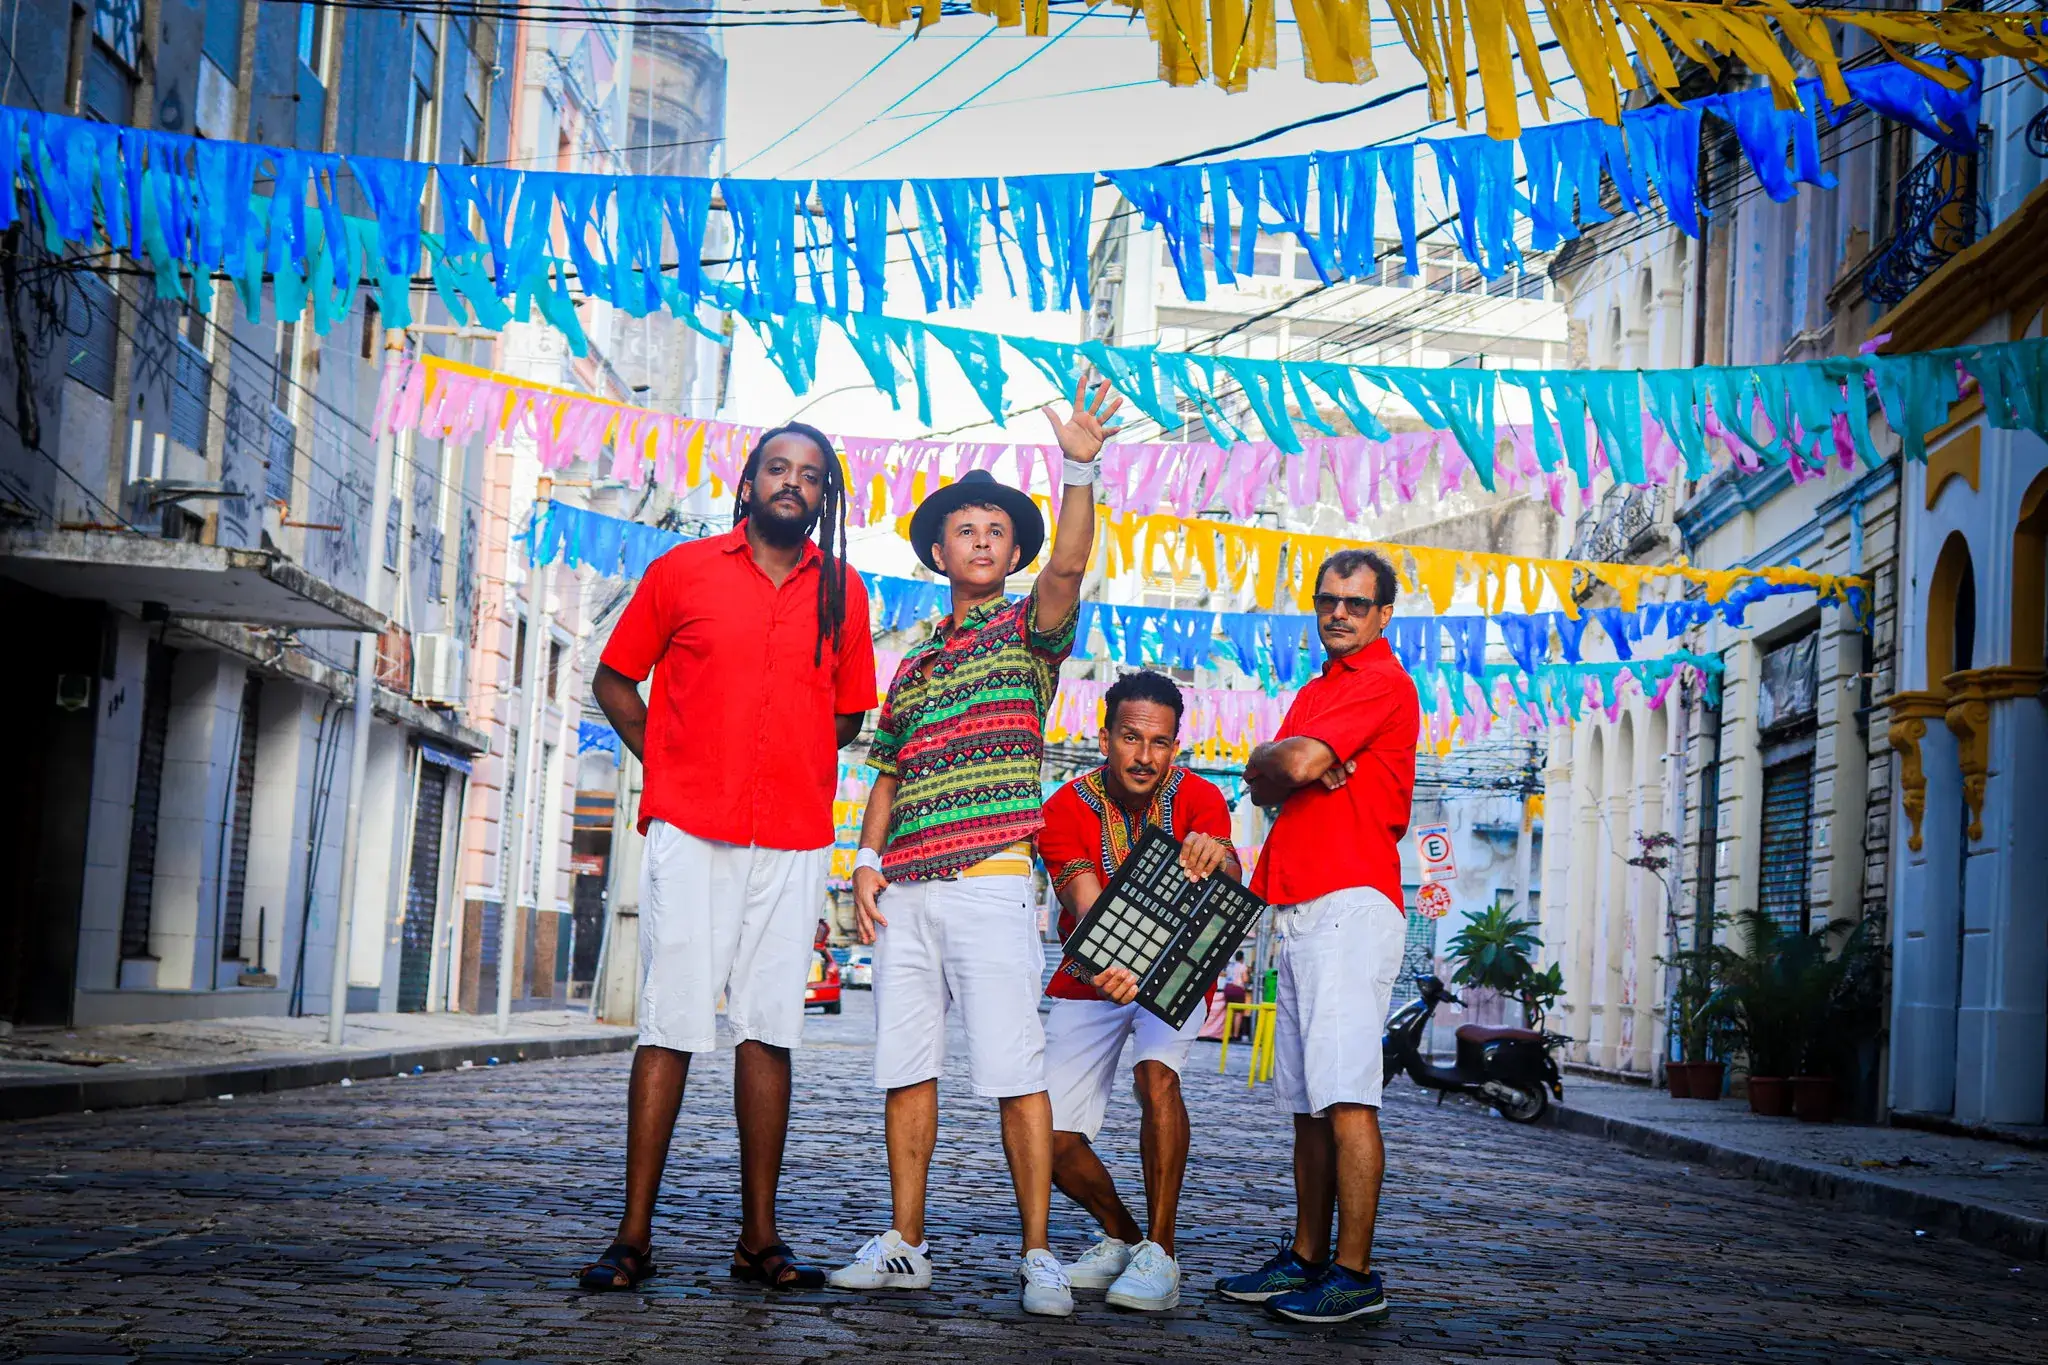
<point>204,582</point>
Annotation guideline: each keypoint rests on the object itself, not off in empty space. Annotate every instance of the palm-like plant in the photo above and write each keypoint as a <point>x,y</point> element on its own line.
<point>1781,992</point>
<point>1497,952</point>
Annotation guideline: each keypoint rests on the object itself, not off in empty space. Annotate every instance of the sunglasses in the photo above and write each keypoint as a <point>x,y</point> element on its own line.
<point>1328,602</point>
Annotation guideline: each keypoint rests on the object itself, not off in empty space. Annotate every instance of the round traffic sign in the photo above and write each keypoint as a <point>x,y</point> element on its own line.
<point>1436,848</point>
<point>1433,900</point>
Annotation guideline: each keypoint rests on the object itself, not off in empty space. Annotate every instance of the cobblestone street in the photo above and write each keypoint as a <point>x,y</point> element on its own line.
<point>441,1218</point>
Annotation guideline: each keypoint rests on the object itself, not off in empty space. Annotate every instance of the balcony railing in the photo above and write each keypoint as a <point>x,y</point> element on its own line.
<point>1612,530</point>
<point>1938,212</point>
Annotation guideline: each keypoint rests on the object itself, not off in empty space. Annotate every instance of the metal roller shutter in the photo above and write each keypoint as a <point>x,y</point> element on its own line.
<point>238,837</point>
<point>139,895</point>
<point>416,937</point>
<point>1787,842</point>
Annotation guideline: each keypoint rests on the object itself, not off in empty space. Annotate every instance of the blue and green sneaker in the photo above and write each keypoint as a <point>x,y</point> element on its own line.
<point>1336,1295</point>
<point>1283,1273</point>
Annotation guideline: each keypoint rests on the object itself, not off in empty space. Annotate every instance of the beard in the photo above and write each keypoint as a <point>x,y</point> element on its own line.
<point>779,522</point>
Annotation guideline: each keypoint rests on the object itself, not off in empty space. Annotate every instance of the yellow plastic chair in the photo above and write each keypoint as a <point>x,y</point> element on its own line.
<point>1262,1038</point>
<point>1262,1045</point>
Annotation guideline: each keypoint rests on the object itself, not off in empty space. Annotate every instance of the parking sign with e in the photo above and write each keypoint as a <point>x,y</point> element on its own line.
<point>1433,844</point>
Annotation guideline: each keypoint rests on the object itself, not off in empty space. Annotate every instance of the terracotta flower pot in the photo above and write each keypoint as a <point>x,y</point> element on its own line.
<point>1678,1079</point>
<point>1707,1079</point>
<point>1770,1096</point>
<point>1815,1098</point>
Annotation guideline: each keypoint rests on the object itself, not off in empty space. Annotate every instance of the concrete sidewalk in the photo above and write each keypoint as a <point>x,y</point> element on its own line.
<point>1988,1192</point>
<point>116,1066</point>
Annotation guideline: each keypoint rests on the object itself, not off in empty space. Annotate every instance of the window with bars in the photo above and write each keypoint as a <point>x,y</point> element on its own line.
<point>1787,843</point>
<point>193,382</point>
<point>90,329</point>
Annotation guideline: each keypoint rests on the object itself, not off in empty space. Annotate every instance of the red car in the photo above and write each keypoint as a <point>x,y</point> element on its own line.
<point>823,988</point>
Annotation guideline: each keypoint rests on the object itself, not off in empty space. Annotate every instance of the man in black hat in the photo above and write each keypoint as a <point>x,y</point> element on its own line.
<point>942,881</point>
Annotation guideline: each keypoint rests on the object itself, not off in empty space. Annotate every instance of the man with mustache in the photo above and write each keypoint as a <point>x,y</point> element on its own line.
<point>1091,825</point>
<point>1342,771</point>
<point>943,877</point>
<point>763,667</point>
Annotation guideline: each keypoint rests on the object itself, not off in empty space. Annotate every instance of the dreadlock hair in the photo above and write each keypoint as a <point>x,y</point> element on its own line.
<point>831,518</point>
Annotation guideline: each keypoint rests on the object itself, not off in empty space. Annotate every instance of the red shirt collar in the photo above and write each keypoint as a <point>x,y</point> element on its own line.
<point>1378,650</point>
<point>735,542</point>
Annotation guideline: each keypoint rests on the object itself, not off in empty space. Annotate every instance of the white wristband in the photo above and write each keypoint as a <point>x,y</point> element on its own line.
<point>867,858</point>
<point>1074,473</point>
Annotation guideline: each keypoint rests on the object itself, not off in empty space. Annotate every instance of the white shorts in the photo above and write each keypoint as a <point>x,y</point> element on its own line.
<point>1084,1039</point>
<point>971,942</point>
<point>1338,961</point>
<point>725,919</point>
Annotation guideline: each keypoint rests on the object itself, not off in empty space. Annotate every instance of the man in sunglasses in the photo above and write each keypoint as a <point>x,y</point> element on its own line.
<point>1342,772</point>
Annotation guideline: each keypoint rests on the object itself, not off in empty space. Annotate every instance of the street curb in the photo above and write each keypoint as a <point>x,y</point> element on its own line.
<point>2014,1233</point>
<point>29,1099</point>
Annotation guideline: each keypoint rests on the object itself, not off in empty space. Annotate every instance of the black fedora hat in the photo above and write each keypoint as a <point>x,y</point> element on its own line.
<point>928,522</point>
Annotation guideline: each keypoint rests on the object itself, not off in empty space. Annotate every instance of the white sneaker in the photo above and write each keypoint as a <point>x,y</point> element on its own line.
<point>1046,1290</point>
<point>1100,1264</point>
<point>1151,1283</point>
<point>885,1262</point>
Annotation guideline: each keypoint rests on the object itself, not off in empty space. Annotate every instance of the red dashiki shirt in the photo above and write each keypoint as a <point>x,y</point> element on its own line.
<point>963,732</point>
<point>1088,830</point>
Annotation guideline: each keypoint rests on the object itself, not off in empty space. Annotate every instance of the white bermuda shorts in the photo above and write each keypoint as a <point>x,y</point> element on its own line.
<point>725,919</point>
<point>971,943</point>
<point>1338,961</point>
<point>1084,1039</point>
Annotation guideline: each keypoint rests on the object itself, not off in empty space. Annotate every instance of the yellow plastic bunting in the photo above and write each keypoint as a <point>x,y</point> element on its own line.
<point>1224,40</point>
<point>1279,567</point>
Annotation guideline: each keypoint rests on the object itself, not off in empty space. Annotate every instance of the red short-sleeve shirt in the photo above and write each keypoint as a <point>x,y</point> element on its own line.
<point>1086,830</point>
<point>741,743</point>
<point>1365,708</point>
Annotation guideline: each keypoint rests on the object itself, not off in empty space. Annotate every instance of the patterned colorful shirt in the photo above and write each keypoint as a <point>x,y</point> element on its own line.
<point>1087,830</point>
<point>963,732</point>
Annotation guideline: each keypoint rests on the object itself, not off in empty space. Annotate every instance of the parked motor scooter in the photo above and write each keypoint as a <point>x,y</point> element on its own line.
<point>1508,1068</point>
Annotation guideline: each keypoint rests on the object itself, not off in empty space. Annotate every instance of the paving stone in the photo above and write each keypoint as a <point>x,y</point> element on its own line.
<point>442,1218</point>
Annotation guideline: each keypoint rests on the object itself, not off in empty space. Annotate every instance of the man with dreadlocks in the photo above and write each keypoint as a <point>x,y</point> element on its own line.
<point>763,666</point>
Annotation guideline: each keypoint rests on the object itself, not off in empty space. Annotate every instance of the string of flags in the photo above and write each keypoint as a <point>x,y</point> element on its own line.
<point>520,240</point>
<point>1278,650</point>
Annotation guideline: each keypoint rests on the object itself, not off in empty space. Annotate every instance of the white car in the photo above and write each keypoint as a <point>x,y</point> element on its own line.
<point>859,972</point>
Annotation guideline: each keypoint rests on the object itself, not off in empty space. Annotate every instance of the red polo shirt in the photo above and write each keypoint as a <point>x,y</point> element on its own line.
<point>1365,708</point>
<point>1086,830</point>
<point>741,744</point>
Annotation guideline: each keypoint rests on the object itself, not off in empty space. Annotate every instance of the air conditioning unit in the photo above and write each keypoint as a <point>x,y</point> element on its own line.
<point>437,671</point>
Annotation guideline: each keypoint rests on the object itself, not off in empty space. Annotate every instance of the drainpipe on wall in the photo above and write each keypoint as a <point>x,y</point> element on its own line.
<point>363,709</point>
<point>537,629</point>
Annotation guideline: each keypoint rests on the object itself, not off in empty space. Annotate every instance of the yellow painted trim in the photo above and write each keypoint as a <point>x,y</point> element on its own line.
<point>1962,411</point>
<point>1942,590</point>
<point>1910,713</point>
<point>1959,459</point>
<point>2030,577</point>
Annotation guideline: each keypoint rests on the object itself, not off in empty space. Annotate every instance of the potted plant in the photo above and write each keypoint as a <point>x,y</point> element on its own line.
<point>1847,998</point>
<point>1700,1022</point>
<point>1766,985</point>
<point>1495,951</point>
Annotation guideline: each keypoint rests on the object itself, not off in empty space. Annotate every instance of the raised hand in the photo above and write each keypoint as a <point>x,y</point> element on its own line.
<point>1083,435</point>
